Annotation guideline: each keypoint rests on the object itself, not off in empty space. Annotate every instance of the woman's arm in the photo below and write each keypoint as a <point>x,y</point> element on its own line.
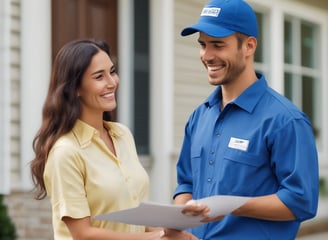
<point>81,229</point>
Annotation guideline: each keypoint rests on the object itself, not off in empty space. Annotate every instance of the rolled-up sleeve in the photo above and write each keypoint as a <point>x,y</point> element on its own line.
<point>295,159</point>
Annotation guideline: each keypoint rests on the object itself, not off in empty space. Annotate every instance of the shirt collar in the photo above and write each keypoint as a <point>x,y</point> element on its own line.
<point>247,100</point>
<point>84,132</point>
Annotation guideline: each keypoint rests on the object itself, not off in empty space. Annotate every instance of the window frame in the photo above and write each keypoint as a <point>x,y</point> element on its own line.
<point>274,15</point>
<point>299,73</point>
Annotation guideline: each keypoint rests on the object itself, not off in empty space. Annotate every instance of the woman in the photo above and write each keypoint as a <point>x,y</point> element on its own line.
<point>85,163</point>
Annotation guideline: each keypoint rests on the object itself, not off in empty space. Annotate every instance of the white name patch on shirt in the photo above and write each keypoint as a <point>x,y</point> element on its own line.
<point>237,143</point>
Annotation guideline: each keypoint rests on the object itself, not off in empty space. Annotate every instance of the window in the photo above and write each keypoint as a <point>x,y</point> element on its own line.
<point>297,41</point>
<point>141,84</point>
<point>301,68</point>
<point>259,54</point>
<point>262,51</point>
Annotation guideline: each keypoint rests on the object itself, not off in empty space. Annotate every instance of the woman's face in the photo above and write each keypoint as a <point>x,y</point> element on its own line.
<point>99,84</point>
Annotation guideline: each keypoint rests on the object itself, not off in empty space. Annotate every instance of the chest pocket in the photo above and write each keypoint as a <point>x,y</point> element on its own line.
<point>241,173</point>
<point>243,157</point>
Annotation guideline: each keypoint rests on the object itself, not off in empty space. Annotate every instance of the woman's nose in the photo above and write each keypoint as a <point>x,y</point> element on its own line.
<point>111,80</point>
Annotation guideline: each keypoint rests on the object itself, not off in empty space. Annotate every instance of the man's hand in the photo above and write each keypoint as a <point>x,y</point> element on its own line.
<point>192,208</point>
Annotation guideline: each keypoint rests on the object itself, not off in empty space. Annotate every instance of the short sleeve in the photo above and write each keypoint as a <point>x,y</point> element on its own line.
<point>64,179</point>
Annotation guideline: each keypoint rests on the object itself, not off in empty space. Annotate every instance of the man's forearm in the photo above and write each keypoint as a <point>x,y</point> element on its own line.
<point>268,207</point>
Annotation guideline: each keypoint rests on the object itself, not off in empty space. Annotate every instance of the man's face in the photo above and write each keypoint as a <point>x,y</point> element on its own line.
<point>222,57</point>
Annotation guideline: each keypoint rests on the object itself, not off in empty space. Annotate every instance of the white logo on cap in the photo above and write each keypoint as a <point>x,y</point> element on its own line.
<point>210,12</point>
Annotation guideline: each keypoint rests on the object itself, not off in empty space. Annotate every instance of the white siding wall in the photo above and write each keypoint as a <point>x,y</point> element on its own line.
<point>15,65</point>
<point>9,117</point>
<point>4,95</point>
<point>323,4</point>
<point>24,66</point>
<point>191,86</point>
<point>190,81</point>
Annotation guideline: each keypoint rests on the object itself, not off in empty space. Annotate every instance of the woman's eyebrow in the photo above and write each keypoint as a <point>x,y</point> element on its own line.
<point>97,72</point>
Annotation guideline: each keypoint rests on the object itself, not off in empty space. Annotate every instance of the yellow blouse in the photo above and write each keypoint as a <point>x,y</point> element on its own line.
<point>83,178</point>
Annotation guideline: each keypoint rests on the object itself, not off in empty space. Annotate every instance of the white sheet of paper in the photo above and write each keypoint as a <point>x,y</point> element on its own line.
<point>170,216</point>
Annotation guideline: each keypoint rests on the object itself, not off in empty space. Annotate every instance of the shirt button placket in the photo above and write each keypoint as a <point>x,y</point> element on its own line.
<point>211,162</point>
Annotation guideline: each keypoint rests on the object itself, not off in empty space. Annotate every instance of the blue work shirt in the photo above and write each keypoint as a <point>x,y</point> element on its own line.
<point>259,144</point>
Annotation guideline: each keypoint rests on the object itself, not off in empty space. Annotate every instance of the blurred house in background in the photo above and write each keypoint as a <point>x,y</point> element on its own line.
<point>162,80</point>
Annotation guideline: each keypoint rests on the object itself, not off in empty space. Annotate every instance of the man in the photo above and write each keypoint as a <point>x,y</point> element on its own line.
<point>245,139</point>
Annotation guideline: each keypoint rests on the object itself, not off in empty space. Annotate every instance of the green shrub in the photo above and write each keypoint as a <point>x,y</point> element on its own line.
<point>7,228</point>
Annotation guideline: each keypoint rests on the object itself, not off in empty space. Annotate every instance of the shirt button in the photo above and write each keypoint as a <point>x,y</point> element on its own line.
<point>211,162</point>
<point>209,180</point>
<point>212,152</point>
<point>217,134</point>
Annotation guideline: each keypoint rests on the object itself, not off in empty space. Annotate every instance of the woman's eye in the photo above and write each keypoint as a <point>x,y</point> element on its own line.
<point>99,76</point>
<point>112,71</point>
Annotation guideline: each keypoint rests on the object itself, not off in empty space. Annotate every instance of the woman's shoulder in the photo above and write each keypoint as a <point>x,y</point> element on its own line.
<point>66,140</point>
<point>65,144</point>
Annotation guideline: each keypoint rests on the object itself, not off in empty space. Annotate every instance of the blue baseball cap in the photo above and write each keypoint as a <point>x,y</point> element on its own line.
<point>221,18</point>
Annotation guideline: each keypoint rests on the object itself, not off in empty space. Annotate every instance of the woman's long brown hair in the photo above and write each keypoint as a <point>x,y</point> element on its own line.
<point>62,106</point>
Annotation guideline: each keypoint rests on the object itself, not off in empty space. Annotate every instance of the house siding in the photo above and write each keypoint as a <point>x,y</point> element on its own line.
<point>32,218</point>
<point>15,91</point>
<point>190,82</point>
<point>315,3</point>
